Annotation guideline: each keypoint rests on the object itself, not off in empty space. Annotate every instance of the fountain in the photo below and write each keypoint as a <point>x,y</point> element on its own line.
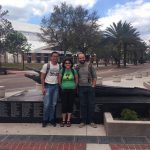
<point>28,106</point>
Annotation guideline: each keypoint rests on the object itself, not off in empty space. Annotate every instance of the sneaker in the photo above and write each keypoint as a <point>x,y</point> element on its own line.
<point>92,124</point>
<point>68,124</point>
<point>81,125</point>
<point>53,123</point>
<point>62,124</point>
<point>44,124</point>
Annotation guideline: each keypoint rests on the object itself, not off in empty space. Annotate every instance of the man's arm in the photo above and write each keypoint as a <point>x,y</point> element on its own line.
<point>94,76</point>
<point>76,79</point>
<point>59,78</point>
<point>43,83</point>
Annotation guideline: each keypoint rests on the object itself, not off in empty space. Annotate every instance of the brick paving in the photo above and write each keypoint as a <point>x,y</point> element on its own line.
<point>130,146</point>
<point>27,145</point>
<point>60,142</point>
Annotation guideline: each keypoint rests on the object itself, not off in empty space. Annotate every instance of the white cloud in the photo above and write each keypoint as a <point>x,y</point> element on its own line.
<point>23,10</point>
<point>136,12</point>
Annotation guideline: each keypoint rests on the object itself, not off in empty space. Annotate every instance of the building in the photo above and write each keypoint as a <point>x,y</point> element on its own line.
<point>40,51</point>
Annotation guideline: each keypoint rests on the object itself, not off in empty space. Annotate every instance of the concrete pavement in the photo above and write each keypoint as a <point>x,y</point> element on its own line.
<point>83,138</point>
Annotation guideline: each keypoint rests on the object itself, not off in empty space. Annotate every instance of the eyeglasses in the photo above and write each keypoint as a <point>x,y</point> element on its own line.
<point>68,63</point>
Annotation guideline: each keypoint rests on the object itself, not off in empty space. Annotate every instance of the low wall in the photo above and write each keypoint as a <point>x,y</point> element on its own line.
<point>125,128</point>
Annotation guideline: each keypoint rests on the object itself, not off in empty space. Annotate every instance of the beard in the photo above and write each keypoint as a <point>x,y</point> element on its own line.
<point>82,61</point>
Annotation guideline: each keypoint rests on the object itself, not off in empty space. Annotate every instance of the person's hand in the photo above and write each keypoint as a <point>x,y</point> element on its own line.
<point>93,86</point>
<point>43,91</point>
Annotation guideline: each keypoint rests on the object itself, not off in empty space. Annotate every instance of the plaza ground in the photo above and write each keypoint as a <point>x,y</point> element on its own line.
<point>31,136</point>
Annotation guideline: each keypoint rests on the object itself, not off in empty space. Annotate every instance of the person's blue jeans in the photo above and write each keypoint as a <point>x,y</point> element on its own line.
<point>87,103</point>
<point>50,101</point>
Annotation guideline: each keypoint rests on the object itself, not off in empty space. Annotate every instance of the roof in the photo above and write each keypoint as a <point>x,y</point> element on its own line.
<point>48,50</point>
<point>26,27</point>
<point>36,46</point>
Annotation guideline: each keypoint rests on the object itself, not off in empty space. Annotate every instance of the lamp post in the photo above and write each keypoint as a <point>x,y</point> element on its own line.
<point>23,59</point>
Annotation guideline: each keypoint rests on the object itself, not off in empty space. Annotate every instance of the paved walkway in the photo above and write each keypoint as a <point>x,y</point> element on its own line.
<point>31,136</point>
<point>22,136</point>
<point>61,142</point>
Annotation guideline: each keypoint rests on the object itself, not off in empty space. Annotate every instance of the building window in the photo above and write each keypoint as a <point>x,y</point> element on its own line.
<point>38,58</point>
<point>46,56</point>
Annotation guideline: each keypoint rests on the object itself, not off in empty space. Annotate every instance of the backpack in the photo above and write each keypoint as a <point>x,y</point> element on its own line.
<point>47,70</point>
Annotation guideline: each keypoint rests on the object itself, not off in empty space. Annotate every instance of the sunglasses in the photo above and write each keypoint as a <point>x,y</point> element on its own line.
<point>68,63</point>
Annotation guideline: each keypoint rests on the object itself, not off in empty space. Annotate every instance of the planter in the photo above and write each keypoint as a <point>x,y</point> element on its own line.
<point>145,74</point>
<point>2,91</point>
<point>147,85</point>
<point>129,77</point>
<point>99,80</point>
<point>116,79</point>
<point>138,75</point>
<point>125,128</point>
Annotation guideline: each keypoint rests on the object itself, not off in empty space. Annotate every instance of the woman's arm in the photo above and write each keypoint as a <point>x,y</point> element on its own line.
<point>76,79</point>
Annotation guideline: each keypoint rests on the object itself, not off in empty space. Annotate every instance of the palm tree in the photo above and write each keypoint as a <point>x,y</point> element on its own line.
<point>122,35</point>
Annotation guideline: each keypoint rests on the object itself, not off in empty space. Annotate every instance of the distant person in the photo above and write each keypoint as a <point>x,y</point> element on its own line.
<point>68,80</point>
<point>87,84</point>
<point>49,80</point>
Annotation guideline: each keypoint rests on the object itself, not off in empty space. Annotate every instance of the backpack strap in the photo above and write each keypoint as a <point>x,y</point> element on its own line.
<point>72,70</point>
<point>63,72</point>
<point>90,68</point>
<point>47,70</point>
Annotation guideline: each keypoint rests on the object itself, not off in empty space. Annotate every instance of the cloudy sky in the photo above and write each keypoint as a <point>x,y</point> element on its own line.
<point>137,12</point>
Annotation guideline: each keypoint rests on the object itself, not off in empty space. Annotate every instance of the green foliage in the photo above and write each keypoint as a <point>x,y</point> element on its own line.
<point>71,28</point>
<point>5,28</point>
<point>122,35</point>
<point>16,42</point>
<point>128,114</point>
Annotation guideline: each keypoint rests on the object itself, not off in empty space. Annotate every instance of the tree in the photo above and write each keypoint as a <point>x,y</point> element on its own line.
<point>137,52</point>
<point>17,44</point>
<point>122,35</point>
<point>5,28</point>
<point>86,32</point>
<point>70,28</point>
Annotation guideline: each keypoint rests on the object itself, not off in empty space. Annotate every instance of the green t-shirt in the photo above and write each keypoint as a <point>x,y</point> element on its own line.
<point>68,79</point>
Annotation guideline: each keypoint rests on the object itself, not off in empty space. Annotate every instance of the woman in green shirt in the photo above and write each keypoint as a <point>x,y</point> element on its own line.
<point>68,80</point>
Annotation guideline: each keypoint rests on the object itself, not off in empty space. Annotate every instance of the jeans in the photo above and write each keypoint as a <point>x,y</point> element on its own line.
<point>50,101</point>
<point>87,103</point>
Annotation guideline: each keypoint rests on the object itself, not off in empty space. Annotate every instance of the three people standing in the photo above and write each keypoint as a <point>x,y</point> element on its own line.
<point>68,78</point>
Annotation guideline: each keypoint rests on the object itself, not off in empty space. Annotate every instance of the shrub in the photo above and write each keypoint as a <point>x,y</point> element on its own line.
<point>128,114</point>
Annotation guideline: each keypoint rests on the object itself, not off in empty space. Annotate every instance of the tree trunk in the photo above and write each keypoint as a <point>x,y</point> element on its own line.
<point>17,58</point>
<point>14,58</point>
<point>118,64</point>
<point>0,61</point>
<point>124,54</point>
<point>5,58</point>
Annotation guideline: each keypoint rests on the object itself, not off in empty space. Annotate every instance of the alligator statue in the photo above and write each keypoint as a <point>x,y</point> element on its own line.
<point>103,90</point>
